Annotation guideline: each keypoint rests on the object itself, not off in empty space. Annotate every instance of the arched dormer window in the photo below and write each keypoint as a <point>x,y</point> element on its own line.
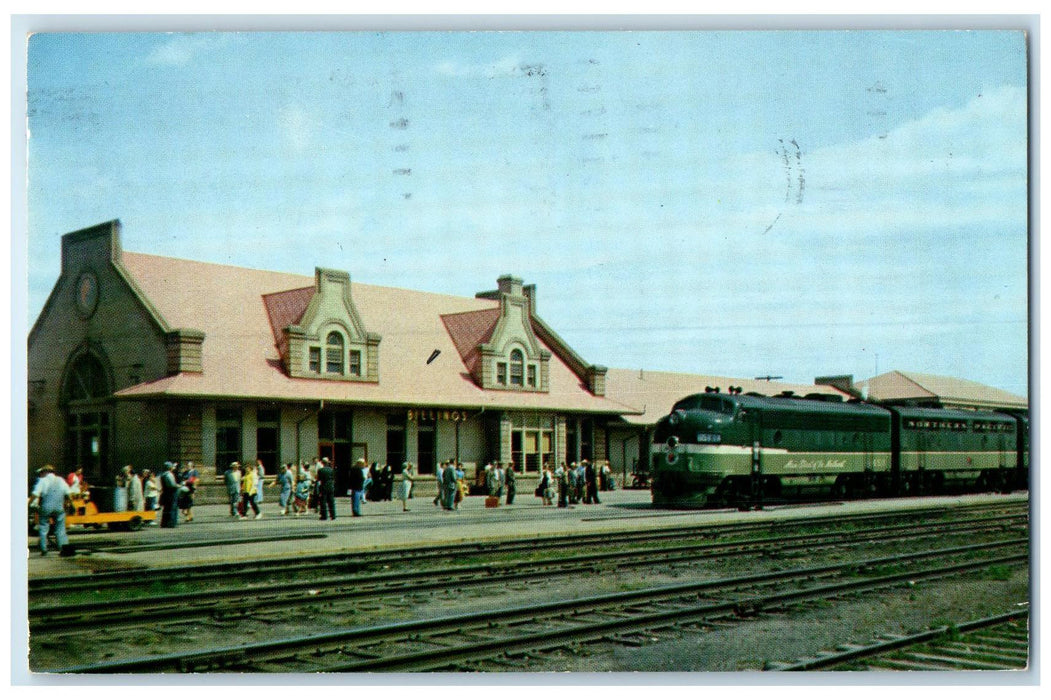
<point>517,368</point>
<point>334,353</point>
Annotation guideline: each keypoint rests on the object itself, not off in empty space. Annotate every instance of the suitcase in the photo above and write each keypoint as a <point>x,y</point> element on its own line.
<point>492,501</point>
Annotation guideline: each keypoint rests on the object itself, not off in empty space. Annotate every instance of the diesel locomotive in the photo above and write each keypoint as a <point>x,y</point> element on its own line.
<point>728,449</point>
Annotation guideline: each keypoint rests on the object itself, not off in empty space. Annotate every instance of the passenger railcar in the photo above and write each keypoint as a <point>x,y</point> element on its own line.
<point>936,449</point>
<point>732,449</point>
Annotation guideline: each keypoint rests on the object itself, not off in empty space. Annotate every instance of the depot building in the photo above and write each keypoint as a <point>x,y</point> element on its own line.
<point>138,359</point>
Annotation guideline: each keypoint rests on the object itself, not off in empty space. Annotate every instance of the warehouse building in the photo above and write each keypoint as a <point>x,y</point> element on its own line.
<point>654,393</point>
<point>916,389</point>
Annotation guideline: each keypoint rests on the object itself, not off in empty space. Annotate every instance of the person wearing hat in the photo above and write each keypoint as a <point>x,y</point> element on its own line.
<point>405,480</point>
<point>232,480</point>
<point>50,496</point>
<point>285,479</point>
<point>169,495</point>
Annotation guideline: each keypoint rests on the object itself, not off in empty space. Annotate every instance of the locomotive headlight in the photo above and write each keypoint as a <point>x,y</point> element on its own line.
<point>675,418</point>
<point>672,455</point>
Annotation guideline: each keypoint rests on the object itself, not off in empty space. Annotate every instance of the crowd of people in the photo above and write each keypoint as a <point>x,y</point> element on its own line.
<point>574,483</point>
<point>309,487</point>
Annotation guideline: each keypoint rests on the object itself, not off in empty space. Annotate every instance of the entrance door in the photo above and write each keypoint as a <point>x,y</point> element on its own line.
<point>88,413</point>
<point>341,459</point>
<point>88,442</point>
<point>426,445</point>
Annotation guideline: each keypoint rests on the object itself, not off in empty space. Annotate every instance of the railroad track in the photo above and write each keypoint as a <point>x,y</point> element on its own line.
<point>360,561</point>
<point>461,642</point>
<point>234,600</point>
<point>998,643</point>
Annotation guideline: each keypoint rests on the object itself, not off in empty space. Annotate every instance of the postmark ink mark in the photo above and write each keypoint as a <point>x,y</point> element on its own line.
<point>790,156</point>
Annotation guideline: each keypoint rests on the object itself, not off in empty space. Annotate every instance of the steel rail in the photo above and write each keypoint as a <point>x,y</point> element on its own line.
<point>830,659</point>
<point>357,560</point>
<point>238,656</point>
<point>423,661</point>
<point>194,544</point>
<point>217,602</point>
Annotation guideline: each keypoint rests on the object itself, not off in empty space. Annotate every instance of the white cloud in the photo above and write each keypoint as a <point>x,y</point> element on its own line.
<point>508,65</point>
<point>961,166</point>
<point>298,127</point>
<point>181,49</point>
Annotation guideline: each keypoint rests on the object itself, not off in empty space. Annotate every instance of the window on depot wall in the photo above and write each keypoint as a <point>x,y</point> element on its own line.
<point>315,359</point>
<point>501,373</point>
<point>227,436</point>
<point>517,364</point>
<point>531,375</point>
<point>268,437</point>
<point>334,353</point>
<point>355,362</point>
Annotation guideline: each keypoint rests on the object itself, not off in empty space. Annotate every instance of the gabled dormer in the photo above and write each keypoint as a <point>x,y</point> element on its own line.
<point>512,358</point>
<point>326,339</point>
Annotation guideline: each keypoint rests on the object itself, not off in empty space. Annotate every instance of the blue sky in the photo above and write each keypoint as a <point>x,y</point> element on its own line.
<point>738,203</point>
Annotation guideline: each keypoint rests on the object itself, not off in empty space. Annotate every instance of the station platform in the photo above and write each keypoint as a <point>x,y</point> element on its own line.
<point>214,536</point>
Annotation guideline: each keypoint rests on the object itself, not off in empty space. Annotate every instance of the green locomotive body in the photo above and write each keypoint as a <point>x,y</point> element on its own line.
<point>942,448</point>
<point>728,449</point>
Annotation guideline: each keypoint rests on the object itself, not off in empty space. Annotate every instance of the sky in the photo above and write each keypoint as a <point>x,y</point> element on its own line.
<point>793,203</point>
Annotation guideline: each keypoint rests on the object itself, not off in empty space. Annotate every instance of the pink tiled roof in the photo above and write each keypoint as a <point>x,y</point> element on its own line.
<point>655,393</point>
<point>470,329</point>
<point>241,359</point>
<point>285,309</point>
<point>899,385</point>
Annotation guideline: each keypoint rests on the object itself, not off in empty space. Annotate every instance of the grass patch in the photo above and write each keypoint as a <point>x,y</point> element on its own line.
<point>952,632</point>
<point>999,572</point>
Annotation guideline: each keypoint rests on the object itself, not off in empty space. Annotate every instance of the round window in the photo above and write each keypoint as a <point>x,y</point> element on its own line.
<point>87,293</point>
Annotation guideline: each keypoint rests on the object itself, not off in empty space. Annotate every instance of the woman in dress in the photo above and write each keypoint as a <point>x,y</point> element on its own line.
<point>405,485</point>
<point>549,488</point>
<point>303,491</point>
<point>189,479</point>
<point>135,499</point>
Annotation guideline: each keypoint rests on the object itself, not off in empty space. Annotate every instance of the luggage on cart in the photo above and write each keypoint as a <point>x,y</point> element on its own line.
<point>492,501</point>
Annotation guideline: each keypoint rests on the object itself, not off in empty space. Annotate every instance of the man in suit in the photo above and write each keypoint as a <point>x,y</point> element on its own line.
<point>591,483</point>
<point>326,480</point>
